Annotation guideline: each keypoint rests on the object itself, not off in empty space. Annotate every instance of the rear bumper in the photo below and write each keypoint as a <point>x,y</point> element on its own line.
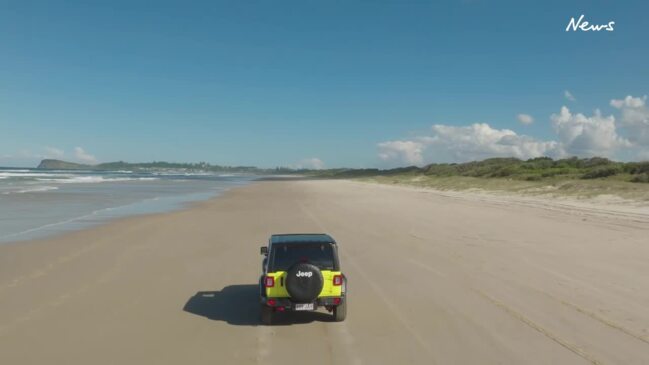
<point>288,304</point>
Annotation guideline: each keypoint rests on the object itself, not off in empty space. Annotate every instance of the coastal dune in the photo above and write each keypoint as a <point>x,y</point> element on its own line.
<point>433,278</point>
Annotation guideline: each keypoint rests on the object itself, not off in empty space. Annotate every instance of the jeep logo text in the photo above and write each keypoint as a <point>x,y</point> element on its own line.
<point>308,274</point>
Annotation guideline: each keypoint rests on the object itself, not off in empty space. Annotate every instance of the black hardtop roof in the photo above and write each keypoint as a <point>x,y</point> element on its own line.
<point>301,238</point>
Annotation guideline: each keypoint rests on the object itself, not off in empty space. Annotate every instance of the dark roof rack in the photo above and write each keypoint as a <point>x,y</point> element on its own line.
<point>301,238</point>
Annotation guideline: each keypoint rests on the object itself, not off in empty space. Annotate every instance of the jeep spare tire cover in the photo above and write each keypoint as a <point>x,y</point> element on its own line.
<point>304,282</point>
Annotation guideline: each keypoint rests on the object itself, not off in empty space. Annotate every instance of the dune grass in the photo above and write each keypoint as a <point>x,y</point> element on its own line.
<point>573,177</point>
<point>557,186</point>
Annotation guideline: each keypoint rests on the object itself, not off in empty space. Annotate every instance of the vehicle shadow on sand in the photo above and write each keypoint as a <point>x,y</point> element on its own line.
<point>238,305</point>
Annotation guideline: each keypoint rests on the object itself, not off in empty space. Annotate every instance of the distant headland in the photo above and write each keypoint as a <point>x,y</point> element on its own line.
<point>51,164</point>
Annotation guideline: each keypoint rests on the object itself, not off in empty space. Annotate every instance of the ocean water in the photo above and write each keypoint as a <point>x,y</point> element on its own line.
<point>37,203</point>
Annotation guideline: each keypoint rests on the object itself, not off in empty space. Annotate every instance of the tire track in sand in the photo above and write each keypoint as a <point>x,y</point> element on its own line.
<point>347,337</point>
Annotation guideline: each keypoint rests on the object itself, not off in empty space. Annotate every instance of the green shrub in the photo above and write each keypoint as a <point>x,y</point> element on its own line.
<point>534,169</point>
<point>539,163</point>
<point>594,161</point>
<point>504,171</point>
<point>567,162</point>
<point>441,169</point>
<point>641,178</point>
<point>533,178</point>
<point>637,167</point>
<point>600,172</point>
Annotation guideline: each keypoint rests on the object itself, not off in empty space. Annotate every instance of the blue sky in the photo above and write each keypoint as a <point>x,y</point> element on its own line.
<point>312,83</point>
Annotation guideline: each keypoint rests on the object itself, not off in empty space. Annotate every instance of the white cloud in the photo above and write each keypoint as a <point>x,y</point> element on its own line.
<point>635,118</point>
<point>53,152</point>
<point>480,141</point>
<point>408,152</point>
<point>587,136</point>
<point>463,143</point>
<point>642,155</point>
<point>568,95</point>
<point>83,156</point>
<point>311,163</point>
<point>626,137</point>
<point>525,119</point>
<point>629,102</point>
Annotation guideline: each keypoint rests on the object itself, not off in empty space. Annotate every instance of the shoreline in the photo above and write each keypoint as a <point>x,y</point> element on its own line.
<point>123,219</point>
<point>595,207</point>
<point>101,215</point>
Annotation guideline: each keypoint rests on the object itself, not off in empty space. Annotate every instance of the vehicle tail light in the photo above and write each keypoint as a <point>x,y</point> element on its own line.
<point>271,302</point>
<point>269,281</point>
<point>336,301</point>
<point>280,309</point>
<point>338,280</point>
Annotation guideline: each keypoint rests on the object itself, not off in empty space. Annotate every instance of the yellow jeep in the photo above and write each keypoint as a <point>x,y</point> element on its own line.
<point>301,272</point>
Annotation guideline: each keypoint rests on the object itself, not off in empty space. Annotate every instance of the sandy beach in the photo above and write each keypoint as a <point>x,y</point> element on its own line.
<point>433,279</point>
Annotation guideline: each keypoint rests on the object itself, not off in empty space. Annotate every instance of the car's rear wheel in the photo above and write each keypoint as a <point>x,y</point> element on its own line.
<point>340,311</point>
<point>266,315</point>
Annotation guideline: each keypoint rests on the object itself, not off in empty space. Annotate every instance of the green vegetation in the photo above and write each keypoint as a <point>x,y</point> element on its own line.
<point>535,169</point>
<point>572,176</point>
<point>160,165</point>
<point>149,166</point>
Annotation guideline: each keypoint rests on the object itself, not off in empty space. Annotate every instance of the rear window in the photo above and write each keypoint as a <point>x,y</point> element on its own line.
<point>285,255</point>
